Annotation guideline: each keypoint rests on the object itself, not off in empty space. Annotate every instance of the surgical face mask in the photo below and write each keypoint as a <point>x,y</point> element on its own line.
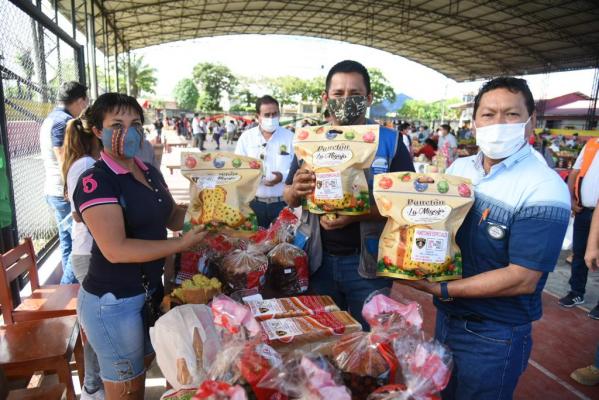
<point>122,143</point>
<point>348,110</point>
<point>500,141</point>
<point>269,124</point>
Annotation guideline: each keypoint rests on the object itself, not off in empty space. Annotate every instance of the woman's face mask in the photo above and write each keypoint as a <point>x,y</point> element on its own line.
<point>348,110</point>
<point>122,143</point>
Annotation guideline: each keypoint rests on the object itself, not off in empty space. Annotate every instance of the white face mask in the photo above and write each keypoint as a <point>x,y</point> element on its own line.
<point>500,141</point>
<point>269,124</point>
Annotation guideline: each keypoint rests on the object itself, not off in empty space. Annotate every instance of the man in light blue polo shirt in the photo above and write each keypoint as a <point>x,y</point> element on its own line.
<point>510,241</point>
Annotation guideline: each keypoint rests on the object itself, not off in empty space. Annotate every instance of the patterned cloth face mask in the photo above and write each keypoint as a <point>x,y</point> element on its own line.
<point>122,143</point>
<point>348,110</point>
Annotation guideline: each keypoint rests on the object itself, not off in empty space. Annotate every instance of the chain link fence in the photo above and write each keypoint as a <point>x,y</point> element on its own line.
<point>34,63</point>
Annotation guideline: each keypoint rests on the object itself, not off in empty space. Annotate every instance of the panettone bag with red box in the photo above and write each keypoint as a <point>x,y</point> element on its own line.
<point>306,376</point>
<point>366,359</point>
<point>244,359</point>
<point>425,368</point>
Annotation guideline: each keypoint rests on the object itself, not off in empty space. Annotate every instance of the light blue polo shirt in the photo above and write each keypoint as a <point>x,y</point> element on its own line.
<point>527,208</point>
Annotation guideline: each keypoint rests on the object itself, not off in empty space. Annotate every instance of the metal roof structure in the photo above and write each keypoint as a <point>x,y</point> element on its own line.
<point>462,39</point>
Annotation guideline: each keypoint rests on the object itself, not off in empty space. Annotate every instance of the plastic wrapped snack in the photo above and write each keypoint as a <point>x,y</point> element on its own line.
<point>245,363</point>
<point>366,359</point>
<point>280,231</point>
<point>426,370</point>
<point>425,212</point>
<point>306,377</point>
<point>243,269</point>
<point>289,307</point>
<point>299,331</point>
<point>288,270</point>
<point>197,290</point>
<point>338,156</point>
<point>215,390</point>
<point>222,186</point>
<point>234,317</point>
<point>186,344</point>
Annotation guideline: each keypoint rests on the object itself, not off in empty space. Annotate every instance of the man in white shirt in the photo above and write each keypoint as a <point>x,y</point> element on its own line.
<point>448,144</point>
<point>583,183</point>
<point>198,128</point>
<point>273,145</point>
<point>231,128</point>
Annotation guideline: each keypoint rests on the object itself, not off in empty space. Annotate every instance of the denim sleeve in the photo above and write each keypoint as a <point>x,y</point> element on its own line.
<point>536,236</point>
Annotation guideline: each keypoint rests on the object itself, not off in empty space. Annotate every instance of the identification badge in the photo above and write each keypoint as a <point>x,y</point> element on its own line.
<point>496,231</point>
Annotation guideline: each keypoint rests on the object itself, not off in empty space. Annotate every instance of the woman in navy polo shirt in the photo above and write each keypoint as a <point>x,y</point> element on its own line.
<point>127,207</point>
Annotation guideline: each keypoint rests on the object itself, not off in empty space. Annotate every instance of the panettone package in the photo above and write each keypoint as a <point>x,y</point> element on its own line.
<point>425,212</point>
<point>243,269</point>
<point>222,186</point>
<point>288,271</point>
<point>338,156</point>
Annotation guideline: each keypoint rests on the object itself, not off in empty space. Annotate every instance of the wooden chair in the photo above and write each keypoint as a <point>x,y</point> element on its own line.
<point>46,301</point>
<point>43,345</point>
<point>53,392</point>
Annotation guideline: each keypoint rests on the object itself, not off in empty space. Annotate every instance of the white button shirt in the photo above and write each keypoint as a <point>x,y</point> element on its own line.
<point>589,190</point>
<point>276,155</point>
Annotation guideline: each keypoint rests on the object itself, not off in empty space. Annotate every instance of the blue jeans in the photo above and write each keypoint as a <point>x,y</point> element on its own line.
<point>266,212</point>
<point>338,277</point>
<point>597,356</point>
<point>488,357</point>
<point>582,226</point>
<point>62,212</point>
<point>116,331</point>
<point>92,380</point>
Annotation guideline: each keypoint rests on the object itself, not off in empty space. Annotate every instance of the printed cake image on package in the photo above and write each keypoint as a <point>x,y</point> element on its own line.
<point>338,156</point>
<point>222,186</point>
<point>425,212</point>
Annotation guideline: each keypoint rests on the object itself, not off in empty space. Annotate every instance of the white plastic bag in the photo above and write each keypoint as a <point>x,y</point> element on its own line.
<point>182,359</point>
<point>567,243</point>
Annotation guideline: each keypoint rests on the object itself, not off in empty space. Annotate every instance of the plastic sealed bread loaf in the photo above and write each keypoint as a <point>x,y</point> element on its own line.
<point>308,329</point>
<point>289,307</point>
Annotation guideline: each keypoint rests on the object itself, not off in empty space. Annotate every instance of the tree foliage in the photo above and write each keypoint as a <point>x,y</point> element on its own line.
<point>419,110</point>
<point>380,86</point>
<point>213,80</point>
<point>141,76</point>
<point>186,94</point>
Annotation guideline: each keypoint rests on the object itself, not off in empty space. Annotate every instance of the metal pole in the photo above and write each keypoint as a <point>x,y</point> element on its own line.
<point>74,19</point>
<point>106,55</point>
<point>91,47</point>
<point>128,80</point>
<point>81,63</point>
<point>116,61</point>
<point>9,235</point>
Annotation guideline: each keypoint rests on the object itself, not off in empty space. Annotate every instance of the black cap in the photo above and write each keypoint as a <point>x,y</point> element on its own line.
<point>71,91</point>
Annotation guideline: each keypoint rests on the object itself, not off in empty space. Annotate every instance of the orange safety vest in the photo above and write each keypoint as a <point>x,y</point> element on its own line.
<point>590,149</point>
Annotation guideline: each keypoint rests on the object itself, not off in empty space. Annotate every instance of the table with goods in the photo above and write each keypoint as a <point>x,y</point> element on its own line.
<point>242,322</point>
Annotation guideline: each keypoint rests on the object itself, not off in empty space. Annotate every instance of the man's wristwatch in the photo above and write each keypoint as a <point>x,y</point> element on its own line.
<point>444,292</point>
